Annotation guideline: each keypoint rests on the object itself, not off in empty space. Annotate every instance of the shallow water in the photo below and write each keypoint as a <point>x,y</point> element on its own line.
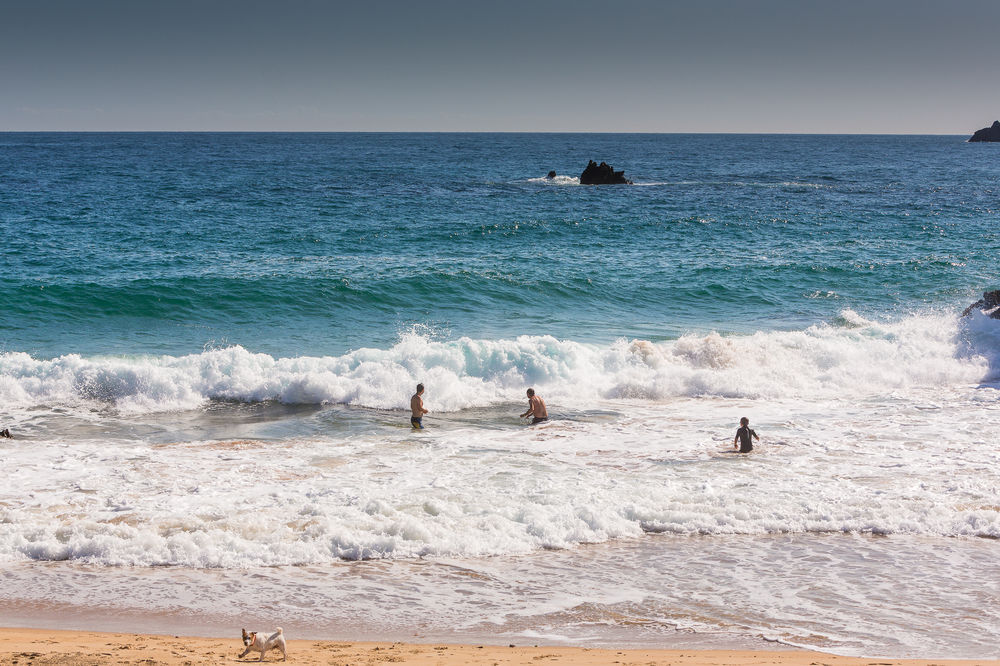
<point>486,529</point>
<point>838,593</point>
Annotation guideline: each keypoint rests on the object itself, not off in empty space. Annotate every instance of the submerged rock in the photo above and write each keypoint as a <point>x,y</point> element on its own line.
<point>602,174</point>
<point>989,304</point>
<point>991,133</point>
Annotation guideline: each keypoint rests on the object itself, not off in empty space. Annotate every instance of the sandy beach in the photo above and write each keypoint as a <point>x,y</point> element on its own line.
<point>41,646</point>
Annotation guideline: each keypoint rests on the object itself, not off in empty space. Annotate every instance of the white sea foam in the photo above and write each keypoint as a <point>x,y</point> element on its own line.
<point>558,180</point>
<point>853,357</point>
<point>880,428</point>
<point>464,491</point>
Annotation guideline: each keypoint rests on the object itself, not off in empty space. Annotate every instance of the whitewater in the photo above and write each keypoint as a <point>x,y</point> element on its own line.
<point>853,357</point>
<point>226,460</point>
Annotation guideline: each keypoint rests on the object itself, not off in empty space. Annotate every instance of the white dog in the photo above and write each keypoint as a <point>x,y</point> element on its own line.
<point>254,641</point>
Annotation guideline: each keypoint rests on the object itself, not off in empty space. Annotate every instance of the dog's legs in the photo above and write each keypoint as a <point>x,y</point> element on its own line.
<point>245,653</point>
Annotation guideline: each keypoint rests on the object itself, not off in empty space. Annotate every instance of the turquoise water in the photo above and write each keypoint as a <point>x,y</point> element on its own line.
<point>209,342</point>
<point>315,244</point>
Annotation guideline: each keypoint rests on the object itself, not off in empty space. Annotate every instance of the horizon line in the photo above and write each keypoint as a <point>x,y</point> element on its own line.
<point>383,131</point>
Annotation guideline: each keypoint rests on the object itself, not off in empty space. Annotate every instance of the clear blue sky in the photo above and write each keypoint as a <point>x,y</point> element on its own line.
<point>889,66</point>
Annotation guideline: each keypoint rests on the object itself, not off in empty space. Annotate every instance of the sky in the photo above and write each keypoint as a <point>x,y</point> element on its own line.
<point>845,66</point>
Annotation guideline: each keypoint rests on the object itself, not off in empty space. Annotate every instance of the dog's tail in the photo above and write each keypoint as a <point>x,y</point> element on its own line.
<point>280,631</point>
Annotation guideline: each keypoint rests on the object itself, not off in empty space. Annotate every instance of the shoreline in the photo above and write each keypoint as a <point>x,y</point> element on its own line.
<point>73,648</point>
<point>398,601</point>
<point>20,615</point>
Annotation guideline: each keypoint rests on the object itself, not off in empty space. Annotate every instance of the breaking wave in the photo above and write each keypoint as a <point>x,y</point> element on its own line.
<point>852,356</point>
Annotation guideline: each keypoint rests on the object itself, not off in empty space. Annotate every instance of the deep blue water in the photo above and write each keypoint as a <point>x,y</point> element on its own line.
<point>315,244</point>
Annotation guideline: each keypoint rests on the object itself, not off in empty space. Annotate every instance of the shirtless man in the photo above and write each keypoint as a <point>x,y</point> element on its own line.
<point>536,408</point>
<point>417,410</point>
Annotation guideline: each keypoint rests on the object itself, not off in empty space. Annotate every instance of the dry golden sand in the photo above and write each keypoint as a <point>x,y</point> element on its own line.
<point>36,647</point>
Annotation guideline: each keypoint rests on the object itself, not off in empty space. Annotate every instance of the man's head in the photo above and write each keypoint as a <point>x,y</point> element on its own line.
<point>531,393</point>
<point>420,389</point>
<point>744,421</point>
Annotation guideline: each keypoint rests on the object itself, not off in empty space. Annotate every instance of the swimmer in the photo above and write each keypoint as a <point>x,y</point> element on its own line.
<point>536,408</point>
<point>743,436</point>
<point>417,410</point>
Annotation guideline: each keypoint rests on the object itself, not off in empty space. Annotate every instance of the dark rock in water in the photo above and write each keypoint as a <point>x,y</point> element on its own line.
<point>602,174</point>
<point>552,174</point>
<point>6,433</point>
<point>989,304</point>
<point>991,133</point>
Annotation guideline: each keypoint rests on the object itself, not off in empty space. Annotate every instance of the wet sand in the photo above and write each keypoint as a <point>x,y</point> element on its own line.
<point>38,647</point>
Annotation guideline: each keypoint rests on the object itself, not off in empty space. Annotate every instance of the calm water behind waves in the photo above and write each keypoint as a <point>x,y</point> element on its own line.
<point>316,244</point>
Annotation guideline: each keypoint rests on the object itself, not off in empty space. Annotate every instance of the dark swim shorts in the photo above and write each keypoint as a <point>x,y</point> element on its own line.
<point>417,422</point>
<point>539,419</point>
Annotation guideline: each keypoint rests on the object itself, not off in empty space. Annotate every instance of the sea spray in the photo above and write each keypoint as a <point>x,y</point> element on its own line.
<point>856,359</point>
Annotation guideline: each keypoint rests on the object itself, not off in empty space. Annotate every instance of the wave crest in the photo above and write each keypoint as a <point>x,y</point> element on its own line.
<point>857,357</point>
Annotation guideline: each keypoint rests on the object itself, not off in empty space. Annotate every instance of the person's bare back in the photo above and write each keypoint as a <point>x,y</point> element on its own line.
<point>536,408</point>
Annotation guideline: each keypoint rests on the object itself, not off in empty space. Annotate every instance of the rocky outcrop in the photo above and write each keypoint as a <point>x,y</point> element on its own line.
<point>602,174</point>
<point>989,304</point>
<point>991,133</point>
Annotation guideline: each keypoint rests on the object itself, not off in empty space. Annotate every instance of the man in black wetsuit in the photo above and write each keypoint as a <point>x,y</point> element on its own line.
<point>743,436</point>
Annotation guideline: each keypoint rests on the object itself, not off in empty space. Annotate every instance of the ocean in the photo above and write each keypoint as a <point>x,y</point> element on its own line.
<point>209,342</point>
